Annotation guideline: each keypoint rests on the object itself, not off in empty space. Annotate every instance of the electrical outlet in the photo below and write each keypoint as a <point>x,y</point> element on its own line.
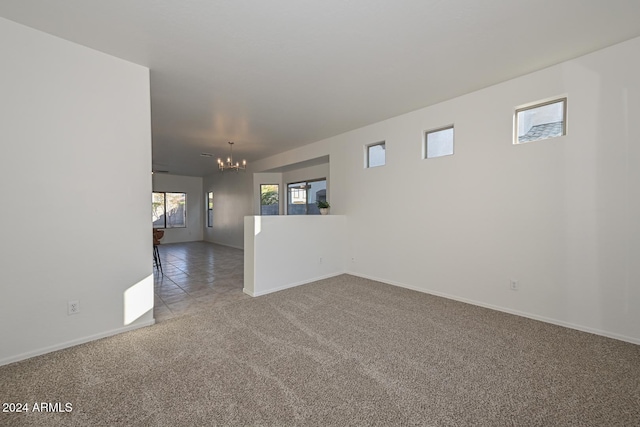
<point>353,259</point>
<point>320,260</point>
<point>514,284</point>
<point>73,307</point>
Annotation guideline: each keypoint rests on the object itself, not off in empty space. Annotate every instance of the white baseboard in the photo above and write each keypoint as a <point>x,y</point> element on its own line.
<point>290,285</point>
<point>506,310</point>
<point>75,342</point>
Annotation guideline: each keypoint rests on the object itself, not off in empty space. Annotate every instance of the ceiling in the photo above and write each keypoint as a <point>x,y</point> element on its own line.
<point>274,75</point>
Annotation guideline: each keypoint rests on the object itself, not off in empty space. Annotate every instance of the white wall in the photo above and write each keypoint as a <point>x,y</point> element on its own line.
<point>76,177</point>
<point>195,206</point>
<point>233,200</point>
<point>277,258</point>
<point>561,216</point>
<point>307,174</point>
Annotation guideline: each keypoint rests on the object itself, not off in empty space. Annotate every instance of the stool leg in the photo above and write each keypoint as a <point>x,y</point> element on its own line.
<point>156,258</point>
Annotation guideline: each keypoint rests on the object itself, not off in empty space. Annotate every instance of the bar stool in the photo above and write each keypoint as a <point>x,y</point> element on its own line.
<point>157,235</point>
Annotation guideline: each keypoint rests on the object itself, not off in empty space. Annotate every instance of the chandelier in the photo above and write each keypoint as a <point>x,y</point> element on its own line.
<point>229,165</point>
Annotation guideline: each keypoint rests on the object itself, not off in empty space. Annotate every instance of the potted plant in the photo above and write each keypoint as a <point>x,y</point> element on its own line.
<point>324,206</point>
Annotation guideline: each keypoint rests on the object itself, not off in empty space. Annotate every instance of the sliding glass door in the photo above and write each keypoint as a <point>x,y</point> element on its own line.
<point>302,196</point>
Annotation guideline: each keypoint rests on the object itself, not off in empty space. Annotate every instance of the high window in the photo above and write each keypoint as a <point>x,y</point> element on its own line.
<point>303,196</point>
<point>210,209</point>
<point>375,154</point>
<point>438,142</point>
<point>269,199</point>
<point>169,210</point>
<point>541,121</point>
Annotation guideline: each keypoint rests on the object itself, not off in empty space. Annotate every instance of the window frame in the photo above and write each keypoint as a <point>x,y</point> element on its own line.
<point>164,193</point>
<point>308,187</point>
<point>277,185</point>
<point>209,209</point>
<point>530,106</point>
<point>425,137</point>
<point>367,154</point>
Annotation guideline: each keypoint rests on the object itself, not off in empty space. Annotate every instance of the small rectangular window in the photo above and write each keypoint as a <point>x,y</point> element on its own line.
<point>210,209</point>
<point>269,199</point>
<point>541,121</point>
<point>438,142</point>
<point>169,210</point>
<point>376,154</point>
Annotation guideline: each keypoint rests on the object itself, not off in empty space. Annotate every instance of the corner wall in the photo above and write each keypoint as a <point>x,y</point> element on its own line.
<point>76,174</point>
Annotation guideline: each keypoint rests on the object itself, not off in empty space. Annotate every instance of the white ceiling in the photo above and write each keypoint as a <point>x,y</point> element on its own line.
<point>273,75</point>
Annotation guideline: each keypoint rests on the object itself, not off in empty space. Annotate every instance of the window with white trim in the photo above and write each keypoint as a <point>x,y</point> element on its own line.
<point>375,155</point>
<point>438,142</point>
<point>210,209</point>
<point>541,121</point>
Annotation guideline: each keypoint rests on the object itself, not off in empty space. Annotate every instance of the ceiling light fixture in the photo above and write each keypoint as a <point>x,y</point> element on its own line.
<point>229,165</point>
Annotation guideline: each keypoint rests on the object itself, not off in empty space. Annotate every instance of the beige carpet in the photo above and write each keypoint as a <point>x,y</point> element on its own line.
<point>343,351</point>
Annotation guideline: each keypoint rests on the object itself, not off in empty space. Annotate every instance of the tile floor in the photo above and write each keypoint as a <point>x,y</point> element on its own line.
<point>197,276</point>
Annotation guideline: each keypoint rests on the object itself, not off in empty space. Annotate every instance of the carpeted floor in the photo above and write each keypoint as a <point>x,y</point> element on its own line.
<point>342,351</point>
